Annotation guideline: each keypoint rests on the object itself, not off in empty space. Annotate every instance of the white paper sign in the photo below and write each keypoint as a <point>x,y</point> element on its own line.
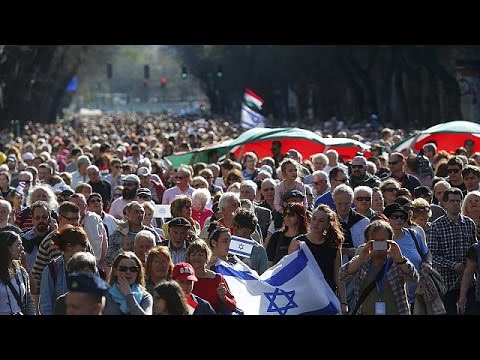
<point>162,211</point>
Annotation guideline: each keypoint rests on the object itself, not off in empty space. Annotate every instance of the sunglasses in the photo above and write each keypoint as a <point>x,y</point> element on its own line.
<point>363,198</point>
<point>76,219</point>
<point>357,166</point>
<point>392,162</point>
<point>117,195</point>
<point>132,269</point>
<point>391,189</point>
<point>453,171</point>
<point>289,214</point>
<point>397,217</point>
<point>423,208</point>
<point>94,201</point>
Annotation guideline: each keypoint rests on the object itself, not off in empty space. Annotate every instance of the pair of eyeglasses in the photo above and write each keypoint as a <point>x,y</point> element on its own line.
<point>132,269</point>
<point>76,219</point>
<point>453,171</point>
<point>289,214</point>
<point>117,195</point>
<point>391,189</point>
<point>363,198</point>
<point>94,201</point>
<point>398,217</point>
<point>423,208</point>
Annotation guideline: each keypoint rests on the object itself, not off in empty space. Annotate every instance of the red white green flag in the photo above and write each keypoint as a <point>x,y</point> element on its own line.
<point>252,100</point>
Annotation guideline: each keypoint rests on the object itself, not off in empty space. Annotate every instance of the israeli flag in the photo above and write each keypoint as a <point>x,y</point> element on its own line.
<point>294,286</point>
<point>251,119</point>
<point>241,246</point>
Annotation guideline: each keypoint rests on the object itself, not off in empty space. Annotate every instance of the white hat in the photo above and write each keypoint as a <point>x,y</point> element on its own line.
<point>143,171</point>
<point>28,156</point>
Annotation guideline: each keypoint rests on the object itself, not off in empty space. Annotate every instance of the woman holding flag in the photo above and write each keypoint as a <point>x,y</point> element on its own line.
<point>324,239</point>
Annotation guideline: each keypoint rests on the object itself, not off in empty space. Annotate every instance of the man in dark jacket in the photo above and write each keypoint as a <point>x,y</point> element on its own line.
<point>359,175</point>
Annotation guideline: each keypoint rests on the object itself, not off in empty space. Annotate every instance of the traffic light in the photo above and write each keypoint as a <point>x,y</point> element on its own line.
<point>146,72</point>
<point>109,71</point>
<point>219,71</point>
<point>184,72</point>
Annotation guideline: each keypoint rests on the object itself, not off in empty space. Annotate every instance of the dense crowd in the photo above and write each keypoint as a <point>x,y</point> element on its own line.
<point>80,232</point>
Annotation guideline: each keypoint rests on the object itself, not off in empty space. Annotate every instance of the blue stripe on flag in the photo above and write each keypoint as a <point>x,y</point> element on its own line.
<point>291,270</point>
<point>243,275</point>
<point>330,309</point>
<point>243,240</point>
<point>239,252</point>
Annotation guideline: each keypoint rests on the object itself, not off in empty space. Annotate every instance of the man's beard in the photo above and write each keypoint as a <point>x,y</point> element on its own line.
<point>128,194</point>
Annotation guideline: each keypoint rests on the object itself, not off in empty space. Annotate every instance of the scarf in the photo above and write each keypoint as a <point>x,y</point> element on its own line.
<point>120,299</point>
<point>29,245</point>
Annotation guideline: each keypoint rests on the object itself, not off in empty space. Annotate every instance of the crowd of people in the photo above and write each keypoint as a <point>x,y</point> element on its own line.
<point>395,233</point>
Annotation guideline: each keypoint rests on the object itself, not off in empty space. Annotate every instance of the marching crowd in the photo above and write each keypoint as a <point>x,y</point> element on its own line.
<point>395,233</point>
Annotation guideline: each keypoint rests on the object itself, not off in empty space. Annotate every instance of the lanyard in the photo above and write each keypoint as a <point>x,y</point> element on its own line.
<point>380,284</point>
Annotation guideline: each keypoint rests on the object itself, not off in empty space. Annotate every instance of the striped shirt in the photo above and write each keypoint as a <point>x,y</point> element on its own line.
<point>46,253</point>
<point>449,242</point>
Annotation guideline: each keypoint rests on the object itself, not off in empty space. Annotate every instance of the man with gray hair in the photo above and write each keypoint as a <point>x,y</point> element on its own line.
<point>80,176</point>
<point>319,161</point>
<point>362,199</point>
<point>144,241</point>
<point>320,184</point>
<point>332,156</point>
<point>353,226</point>
<point>248,190</point>
<point>352,222</point>
<point>359,175</point>
<point>182,186</point>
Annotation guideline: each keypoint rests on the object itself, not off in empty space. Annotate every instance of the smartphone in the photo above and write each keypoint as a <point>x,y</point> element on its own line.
<point>380,245</point>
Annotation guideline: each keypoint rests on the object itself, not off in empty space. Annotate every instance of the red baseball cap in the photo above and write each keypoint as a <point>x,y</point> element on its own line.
<point>184,271</point>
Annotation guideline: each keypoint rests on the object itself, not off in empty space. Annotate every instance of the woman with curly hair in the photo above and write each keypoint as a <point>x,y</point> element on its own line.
<point>324,239</point>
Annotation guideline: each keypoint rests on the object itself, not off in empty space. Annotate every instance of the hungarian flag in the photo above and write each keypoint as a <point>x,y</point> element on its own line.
<point>252,100</point>
<point>192,304</point>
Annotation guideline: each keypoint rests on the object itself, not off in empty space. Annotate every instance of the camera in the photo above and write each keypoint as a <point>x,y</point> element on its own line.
<point>380,245</point>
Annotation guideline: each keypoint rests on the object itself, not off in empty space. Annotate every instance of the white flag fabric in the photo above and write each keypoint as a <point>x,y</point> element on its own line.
<point>241,246</point>
<point>251,119</point>
<point>294,286</point>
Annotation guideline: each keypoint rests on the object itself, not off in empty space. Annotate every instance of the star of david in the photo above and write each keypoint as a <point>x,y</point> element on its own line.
<point>240,247</point>
<point>272,297</point>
